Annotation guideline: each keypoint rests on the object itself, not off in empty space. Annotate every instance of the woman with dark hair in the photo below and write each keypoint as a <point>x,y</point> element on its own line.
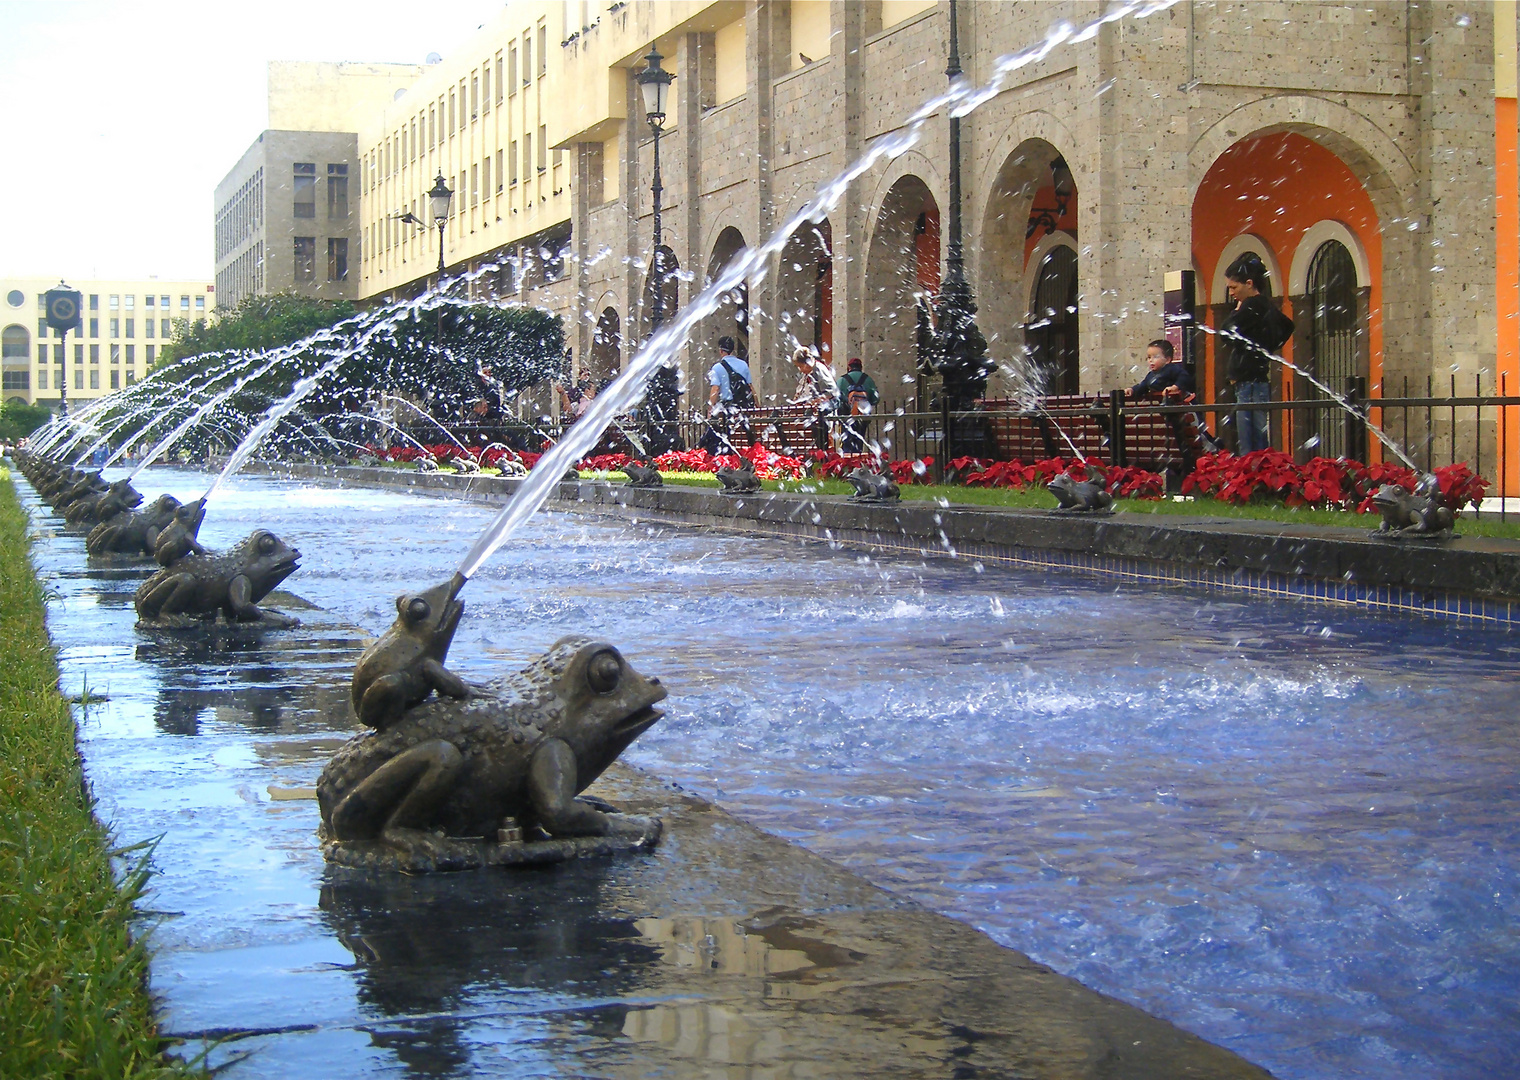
<point>1253,333</point>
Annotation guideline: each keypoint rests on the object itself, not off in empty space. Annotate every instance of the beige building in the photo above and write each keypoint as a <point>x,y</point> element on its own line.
<point>125,324</point>
<point>286,214</point>
<point>480,120</point>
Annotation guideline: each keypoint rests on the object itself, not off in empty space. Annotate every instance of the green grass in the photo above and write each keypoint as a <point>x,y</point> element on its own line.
<point>73,990</point>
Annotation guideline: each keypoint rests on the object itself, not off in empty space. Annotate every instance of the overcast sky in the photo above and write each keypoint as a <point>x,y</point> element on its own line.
<point>119,118</point>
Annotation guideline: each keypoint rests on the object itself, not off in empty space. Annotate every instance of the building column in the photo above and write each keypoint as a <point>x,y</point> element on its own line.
<point>767,39</point>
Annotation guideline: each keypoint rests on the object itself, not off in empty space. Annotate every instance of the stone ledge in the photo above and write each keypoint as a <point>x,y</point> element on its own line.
<point>1469,577</point>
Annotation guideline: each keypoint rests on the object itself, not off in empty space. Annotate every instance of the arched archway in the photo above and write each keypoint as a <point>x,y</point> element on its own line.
<point>662,291</point>
<point>606,347</point>
<point>1332,343</point>
<point>731,319</point>
<point>804,299</point>
<point>1032,201</point>
<point>1277,193</point>
<point>1050,334</point>
<point>902,279</point>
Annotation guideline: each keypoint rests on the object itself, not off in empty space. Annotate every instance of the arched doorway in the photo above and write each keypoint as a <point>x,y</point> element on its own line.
<point>731,319</point>
<point>1051,331</point>
<point>662,291</point>
<point>606,348</point>
<point>1332,342</point>
<point>1031,211</point>
<point>805,299</point>
<point>902,282</point>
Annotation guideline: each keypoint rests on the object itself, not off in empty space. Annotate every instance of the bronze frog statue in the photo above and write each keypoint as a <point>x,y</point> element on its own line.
<point>177,539</point>
<point>230,584</point>
<point>1422,512</point>
<point>95,507</point>
<point>406,665</point>
<point>872,487</point>
<point>643,476</point>
<point>1081,496</point>
<point>455,784</point>
<point>134,533</point>
<point>740,481</point>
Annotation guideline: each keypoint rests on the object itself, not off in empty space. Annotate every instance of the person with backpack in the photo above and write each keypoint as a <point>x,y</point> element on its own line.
<point>1255,331</point>
<point>729,390</point>
<point>857,397</point>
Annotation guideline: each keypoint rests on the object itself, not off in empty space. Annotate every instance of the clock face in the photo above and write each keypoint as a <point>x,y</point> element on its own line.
<point>63,309</point>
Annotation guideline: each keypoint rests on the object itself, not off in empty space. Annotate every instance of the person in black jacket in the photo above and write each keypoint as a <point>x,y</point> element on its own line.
<point>1253,333</point>
<point>1164,374</point>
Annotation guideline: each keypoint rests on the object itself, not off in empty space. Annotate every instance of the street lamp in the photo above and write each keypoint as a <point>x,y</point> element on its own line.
<point>962,350</point>
<point>654,85</point>
<point>439,199</point>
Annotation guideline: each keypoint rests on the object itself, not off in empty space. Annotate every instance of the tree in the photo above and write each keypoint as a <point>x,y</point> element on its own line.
<point>17,421</point>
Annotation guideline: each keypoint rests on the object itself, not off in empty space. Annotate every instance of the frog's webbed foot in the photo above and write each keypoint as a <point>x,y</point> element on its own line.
<point>399,795</point>
<point>551,790</point>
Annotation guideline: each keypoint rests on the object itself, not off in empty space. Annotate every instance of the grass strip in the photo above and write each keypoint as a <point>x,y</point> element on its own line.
<point>73,981</point>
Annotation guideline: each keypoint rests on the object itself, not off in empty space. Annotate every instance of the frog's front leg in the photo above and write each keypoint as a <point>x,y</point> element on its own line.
<point>170,596</point>
<point>444,681</point>
<point>551,790</point>
<point>400,795</point>
<point>242,608</point>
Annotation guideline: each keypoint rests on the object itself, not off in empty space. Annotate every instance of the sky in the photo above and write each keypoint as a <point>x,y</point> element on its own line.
<point>121,117</point>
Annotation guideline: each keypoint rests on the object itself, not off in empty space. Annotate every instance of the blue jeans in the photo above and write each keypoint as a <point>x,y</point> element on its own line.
<point>1251,426</point>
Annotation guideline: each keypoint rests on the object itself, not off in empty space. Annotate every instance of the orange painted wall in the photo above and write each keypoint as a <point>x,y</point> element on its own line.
<point>1046,198</point>
<point>1277,186</point>
<point>926,251</point>
<point>1507,296</point>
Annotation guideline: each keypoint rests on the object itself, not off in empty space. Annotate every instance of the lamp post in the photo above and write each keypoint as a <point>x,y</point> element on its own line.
<point>654,85</point>
<point>62,307</point>
<point>438,201</point>
<point>962,350</point>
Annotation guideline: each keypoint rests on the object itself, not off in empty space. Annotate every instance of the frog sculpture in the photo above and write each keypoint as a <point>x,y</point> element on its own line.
<point>134,533</point>
<point>459,783</point>
<point>406,664</point>
<point>740,481</point>
<point>872,487</point>
<point>1081,496</point>
<point>95,507</point>
<point>177,539</point>
<point>1420,513</point>
<point>643,476</point>
<point>231,584</point>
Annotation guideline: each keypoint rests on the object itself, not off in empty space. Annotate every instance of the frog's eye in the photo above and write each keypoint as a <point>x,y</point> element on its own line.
<point>267,544</point>
<point>603,671</point>
<point>418,610</point>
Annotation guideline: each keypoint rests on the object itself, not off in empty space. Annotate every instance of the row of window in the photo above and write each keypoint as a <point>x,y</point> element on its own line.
<point>129,302</point>
<point>304,184</point>
<point>243,215</point>
<point>115,326</point>
<point>306,259</point>
<point>115,354</point>
<point>467,101</point>
<point>22,380</point>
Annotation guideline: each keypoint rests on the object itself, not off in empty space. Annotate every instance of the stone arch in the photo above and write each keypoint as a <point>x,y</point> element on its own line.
<point>731,318</point>
<point>1005,243</point>
<point>1237,247</point>
<point>1318,234</point>
<point>1059,238</point>
<point>661,295</point>
<point>902,273</point>
<point>606,358</point>
<point>804,314</point>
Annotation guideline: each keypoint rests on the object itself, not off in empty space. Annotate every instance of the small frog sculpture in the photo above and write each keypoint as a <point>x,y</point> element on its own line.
<point>458,783</point>
<point>740,481</point>
<point>95,507</point>
<point>89,484</point>
<point>232,584</point>
<point>1422,512</point>
<point>133,533</point>
<point>643,476</point>
<point>1081,496</point>
<point>406,665</point>
<point>177,539</point>
<point>872,487</point>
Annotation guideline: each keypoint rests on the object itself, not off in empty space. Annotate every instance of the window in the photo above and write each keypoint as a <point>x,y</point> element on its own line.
<point>163,328</point>
<point>451,111</point>
<point>306,258</point>
<point>15,298</point>
<point>163,302</point>
<point>115,354</point>
<point>499,86</point>
<point>543,148</point>
<point>115,302</point>
<point>512,69</point>
<point>58,354</point>
<point>78,379</point>
<point>513,160</point>
<point>150,300</point>
<point>94,302</point>
<point>527,154</point>
<point>337,258</point>
<point>527,59</point>
<point>17,380</point>
<point>474,186</point>
<point>42,378</point>
<point>116,328</point>
<point>500,178</point>
<point>131,302</point>
<point>432,127</point>
<point>543,49</point>
<point>42,328</point>
<point>184,304</point>
<point>474,96</point>
<point>78,354</point>
<point>337,191</point>
<point>485,87</point>
<point>148,327</point>
<point>131,377</point>
<point>150,355</point>
<point>94,378</point>
<point>115,380</point>
<point>131,355</point>
<point>94,354</point>
<point>305,177</point>
<point>131,328</point>
<point>485,176</point>
<point>200,304</point>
